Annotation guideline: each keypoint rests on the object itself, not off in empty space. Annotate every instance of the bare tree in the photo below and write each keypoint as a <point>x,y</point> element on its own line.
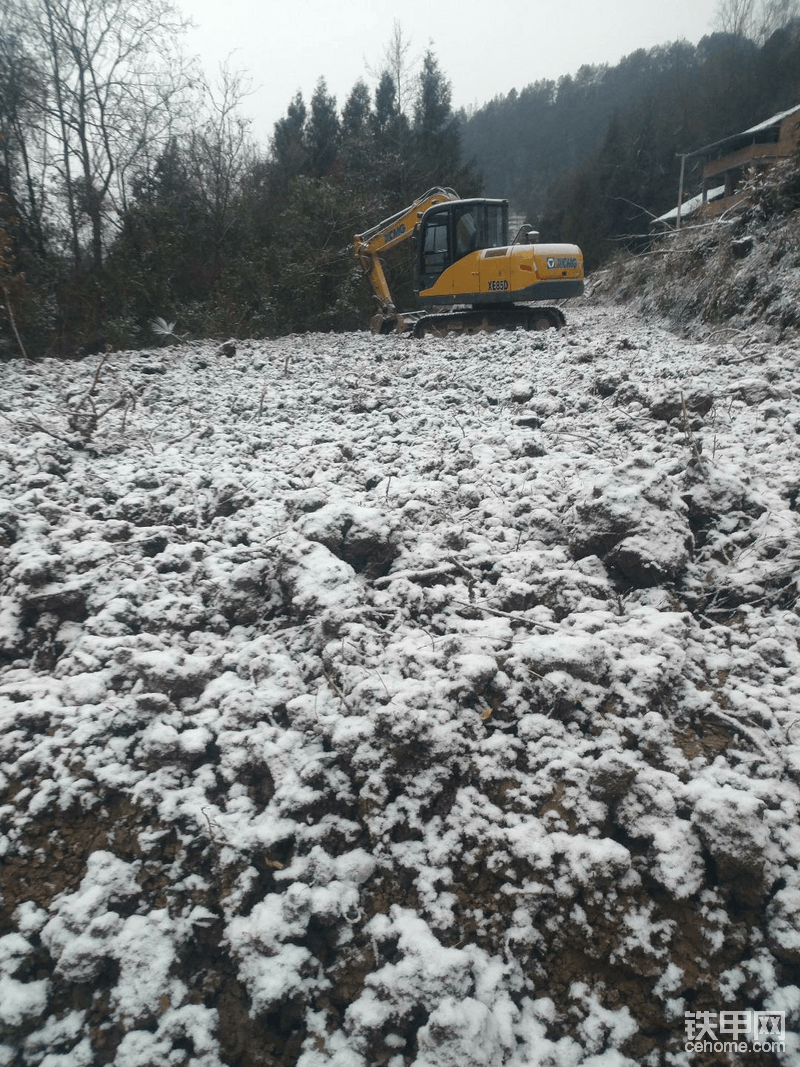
<point>220,149</point>
<point>22,96</point>
<point>402,67</point>
<point>774,15</point>
<point>117,86</point>
<point>755,19</point>
<point>734,16</point>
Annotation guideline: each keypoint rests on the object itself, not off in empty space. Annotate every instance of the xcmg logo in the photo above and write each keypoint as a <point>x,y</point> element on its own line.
<point>398,231</point>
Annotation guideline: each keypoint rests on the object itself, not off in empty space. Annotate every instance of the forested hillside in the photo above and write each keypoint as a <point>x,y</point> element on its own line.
<point>592,157</point>
<point>134,202</point>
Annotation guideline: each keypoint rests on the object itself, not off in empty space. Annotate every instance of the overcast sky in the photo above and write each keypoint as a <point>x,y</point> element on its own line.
<point>484,49</point>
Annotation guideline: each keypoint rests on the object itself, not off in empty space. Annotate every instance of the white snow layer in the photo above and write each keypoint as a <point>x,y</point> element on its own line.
<point>368,701</point>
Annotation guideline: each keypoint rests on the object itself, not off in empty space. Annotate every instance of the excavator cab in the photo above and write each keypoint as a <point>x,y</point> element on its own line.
<point>450,231</point>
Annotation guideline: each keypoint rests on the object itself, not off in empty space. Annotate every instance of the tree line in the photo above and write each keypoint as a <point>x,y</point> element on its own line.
<point>132,194</point>
<point>133,198</point>
<point>600,158</point>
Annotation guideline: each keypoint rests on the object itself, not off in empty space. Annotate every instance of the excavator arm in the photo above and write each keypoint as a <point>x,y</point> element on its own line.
<point>369,246</point>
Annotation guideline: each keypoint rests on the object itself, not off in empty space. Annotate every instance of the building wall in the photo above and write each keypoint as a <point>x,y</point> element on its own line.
<point>737,159</point>
<point>790,134</point>
<point>733,165</point>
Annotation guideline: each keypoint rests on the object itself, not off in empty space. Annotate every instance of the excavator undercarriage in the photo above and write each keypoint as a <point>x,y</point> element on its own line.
<point>470,320</point>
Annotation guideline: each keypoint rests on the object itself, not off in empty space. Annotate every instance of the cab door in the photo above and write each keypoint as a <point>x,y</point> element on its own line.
<point>436,251</point>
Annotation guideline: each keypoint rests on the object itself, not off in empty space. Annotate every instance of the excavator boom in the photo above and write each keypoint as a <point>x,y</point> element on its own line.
<point>369,246</point>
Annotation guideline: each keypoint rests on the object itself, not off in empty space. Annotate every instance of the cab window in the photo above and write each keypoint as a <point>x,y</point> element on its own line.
<point>479,226</point>
<point>436,248</point>
<point>467,231</point>
<point>496,226</point>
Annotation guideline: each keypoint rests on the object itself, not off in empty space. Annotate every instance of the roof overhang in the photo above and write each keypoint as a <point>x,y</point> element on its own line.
<point>769,135</point>
<point>767,132</point>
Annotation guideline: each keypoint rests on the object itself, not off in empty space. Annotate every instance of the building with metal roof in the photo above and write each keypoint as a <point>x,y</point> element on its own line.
<point>726,163</point>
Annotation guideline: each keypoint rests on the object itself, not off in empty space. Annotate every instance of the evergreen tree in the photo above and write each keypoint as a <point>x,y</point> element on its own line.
<point>159,259</point>
<point>289,146</point>
<point>386,114</point>
<point>437,139</point>
<point>390,132</point>
<point>315,286</point>
<point>437,152</point>
<point>357,113</point>
<point>322,132</point>
<point>357,138</point>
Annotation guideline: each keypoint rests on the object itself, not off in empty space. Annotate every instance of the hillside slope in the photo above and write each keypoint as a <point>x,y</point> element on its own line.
<point>738,273</point>
<point>368,701</point>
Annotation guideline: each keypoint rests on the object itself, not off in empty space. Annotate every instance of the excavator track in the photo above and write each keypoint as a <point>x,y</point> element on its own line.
<point>487,320</point>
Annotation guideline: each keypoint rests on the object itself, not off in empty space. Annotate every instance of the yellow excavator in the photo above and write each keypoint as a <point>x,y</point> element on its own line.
<point>465,262</point>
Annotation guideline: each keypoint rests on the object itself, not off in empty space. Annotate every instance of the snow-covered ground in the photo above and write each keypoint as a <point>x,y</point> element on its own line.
<point>371,701</point>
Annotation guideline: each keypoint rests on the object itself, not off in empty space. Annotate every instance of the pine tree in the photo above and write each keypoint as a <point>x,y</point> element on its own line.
<point>390,133</point>
<point>322,132</point>
<point>437,140</point>
<point>357,137</point>
<point>289,148</point>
